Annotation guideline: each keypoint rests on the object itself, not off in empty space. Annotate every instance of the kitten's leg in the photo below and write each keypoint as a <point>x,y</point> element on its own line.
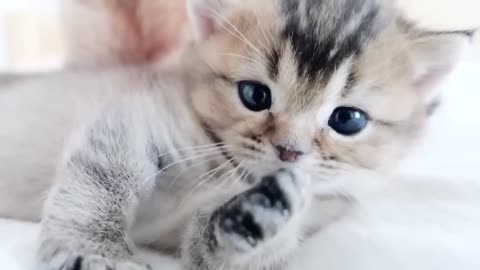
<point>256,229</point>
<point>88,214</point>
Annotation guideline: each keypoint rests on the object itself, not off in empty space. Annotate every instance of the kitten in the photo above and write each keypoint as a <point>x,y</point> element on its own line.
<point>220,157</point>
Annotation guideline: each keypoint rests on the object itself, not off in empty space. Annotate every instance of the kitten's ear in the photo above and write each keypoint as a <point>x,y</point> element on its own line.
<point>436,54</point>
<point>205,17</point>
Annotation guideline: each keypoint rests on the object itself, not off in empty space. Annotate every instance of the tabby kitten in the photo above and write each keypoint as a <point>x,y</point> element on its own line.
<point>220,158</point>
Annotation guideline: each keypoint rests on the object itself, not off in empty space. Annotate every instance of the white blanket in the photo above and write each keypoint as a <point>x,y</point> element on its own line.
<point>398,225</point>
<point>409,223</point>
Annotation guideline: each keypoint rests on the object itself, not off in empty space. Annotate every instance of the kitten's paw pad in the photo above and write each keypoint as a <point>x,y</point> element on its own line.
<point>284,191</point>
<point>261,212</point>
<point>92,262</point>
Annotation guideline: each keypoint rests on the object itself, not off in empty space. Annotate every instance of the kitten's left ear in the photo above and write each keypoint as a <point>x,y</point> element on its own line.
<point>206,16</point>
<point>435,55</point>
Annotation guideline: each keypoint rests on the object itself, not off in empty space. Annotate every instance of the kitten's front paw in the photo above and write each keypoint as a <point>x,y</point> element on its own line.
<point>262,212</point>
<point>90,262</point>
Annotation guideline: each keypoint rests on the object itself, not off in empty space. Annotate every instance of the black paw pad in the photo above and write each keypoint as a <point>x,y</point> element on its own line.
<point>77,264</point>
<point>241,223</point>
<point>269,195</point>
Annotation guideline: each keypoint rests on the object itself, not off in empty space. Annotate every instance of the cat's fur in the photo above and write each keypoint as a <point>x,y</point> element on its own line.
<point>148,167</point>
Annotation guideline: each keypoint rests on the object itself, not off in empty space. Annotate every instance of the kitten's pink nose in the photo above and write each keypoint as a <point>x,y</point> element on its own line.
<point>286,154</point>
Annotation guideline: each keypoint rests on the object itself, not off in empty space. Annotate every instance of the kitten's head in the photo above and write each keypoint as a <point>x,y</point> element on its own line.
<point>323,85</point>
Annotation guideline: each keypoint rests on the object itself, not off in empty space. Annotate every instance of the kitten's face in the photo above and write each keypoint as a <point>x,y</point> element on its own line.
<point>323,85</point>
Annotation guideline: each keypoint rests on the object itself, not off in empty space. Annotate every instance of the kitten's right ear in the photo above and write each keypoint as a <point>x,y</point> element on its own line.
<point>206,17</point>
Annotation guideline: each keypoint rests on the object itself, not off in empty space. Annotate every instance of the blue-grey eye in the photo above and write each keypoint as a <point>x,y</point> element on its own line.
<point>348,121</point>
<point>255,96</point>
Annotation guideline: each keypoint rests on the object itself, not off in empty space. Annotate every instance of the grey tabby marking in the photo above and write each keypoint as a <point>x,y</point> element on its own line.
<point>157,158</point>
<point>323,34</point>
<point>273,61</point>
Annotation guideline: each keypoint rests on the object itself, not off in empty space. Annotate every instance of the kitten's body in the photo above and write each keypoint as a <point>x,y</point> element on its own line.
<point>160,156</point>
<point>38,114</point>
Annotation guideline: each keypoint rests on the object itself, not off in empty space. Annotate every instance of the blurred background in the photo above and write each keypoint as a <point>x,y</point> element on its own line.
<point>30,36</point>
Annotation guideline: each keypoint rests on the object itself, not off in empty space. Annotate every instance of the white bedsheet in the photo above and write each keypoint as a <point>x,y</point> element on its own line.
<point>420,223</point>
<point>399,225</point>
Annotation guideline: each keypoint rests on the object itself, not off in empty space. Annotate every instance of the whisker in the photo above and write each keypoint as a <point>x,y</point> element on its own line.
<point>201,147</point>
<point>209,174</point>
<point>189,168</point>
<point>231,174</point>
<point>247,175</point>
<point>243,57</point>
<point>183,160</point>
<point>243,175</point>
<point>262,29</point>
<point>333,171</point>
<point>244,39</point>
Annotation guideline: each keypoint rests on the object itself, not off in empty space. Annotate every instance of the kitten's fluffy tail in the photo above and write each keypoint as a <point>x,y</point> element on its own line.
<point>106,32</point>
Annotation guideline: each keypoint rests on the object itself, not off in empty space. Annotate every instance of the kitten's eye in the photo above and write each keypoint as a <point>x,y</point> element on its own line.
<point>348,121</point>
<point>255,96</point>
